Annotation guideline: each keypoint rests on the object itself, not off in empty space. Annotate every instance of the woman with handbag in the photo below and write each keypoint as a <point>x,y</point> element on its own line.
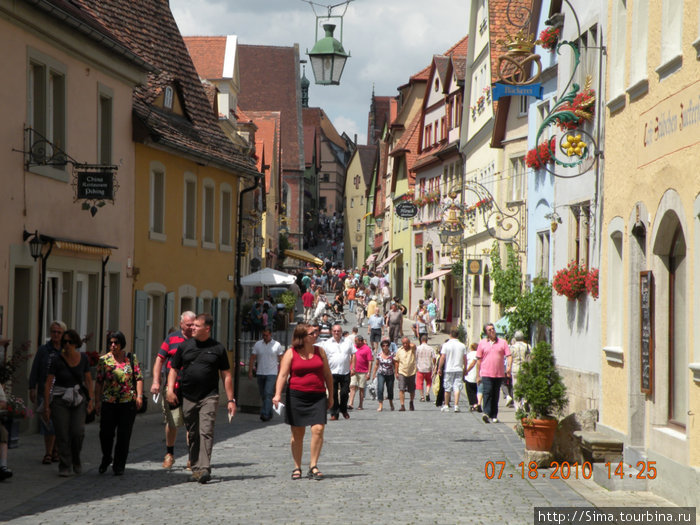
<point>118,396</point>
<point>66,396</point>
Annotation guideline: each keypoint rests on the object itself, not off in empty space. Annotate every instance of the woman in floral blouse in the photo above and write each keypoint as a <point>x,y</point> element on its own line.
<point>117,401</point>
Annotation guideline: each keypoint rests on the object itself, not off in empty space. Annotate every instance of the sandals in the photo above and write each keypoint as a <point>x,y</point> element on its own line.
<point>296,474</point>
<point>46,460</point>
<point>314,473</point>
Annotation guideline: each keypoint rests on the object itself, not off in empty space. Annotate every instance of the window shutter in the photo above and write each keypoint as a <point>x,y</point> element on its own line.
<point>140,306</point>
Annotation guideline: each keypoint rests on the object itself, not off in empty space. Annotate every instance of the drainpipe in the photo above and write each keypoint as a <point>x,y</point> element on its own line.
<point>239,288</point>
<point>102,307</point>
<point>42,292</point>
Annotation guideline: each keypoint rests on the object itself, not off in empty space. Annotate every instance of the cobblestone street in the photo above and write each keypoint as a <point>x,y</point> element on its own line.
<point>390,467</point>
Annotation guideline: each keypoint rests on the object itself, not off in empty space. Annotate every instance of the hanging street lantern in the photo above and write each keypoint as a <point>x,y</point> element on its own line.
<point>328,56</point>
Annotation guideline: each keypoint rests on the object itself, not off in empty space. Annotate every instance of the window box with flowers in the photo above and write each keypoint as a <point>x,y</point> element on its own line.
<point>537,157</point>
<point>478,107</point>
<point>575,280</point>
<point>549,38</point>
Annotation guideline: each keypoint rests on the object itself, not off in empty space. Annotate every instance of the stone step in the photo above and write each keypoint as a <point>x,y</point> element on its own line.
<point>599,448</point>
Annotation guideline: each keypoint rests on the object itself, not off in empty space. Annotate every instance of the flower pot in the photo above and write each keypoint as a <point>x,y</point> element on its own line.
<point>539,433</point>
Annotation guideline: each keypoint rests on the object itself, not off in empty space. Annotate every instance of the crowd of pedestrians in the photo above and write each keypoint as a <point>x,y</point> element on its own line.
<point>323,373</point>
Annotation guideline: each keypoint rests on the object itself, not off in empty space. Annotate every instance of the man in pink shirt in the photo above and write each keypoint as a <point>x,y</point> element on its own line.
<point>359,369</point>
<point>490,370</point>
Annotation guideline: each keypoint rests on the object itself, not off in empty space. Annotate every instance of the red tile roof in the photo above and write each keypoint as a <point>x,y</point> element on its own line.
<point>368,158</point>
<point>150,31</point>
<point>266,141</point>
<point>408,146</point>
<point>269,78</point>
<point>208,53</point>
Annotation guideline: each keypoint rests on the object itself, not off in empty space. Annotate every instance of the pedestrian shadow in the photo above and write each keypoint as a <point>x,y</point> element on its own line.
<point>468,440</point>
<point>232,464</point>
<point>342,476</point>
<point>245,478</point>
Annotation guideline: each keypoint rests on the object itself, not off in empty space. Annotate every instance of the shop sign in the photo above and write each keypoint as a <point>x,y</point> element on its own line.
<point>96,185</point>
<point>473,266</point>
<point>406,210</point>
<point>670,126</point>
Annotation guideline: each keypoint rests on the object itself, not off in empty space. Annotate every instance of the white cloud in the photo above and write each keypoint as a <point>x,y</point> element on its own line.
<point>389,40</point>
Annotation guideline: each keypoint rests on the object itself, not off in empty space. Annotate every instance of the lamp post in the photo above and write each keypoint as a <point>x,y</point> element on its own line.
<point>328,56</point>
<point>36,248</point>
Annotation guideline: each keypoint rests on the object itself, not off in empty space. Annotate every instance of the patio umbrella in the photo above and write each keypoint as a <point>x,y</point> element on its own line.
<point>268,277</point>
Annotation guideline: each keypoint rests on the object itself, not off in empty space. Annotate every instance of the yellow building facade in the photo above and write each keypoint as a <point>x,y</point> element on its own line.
<point>651,236</point>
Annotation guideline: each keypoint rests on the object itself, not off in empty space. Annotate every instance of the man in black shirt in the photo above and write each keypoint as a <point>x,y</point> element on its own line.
<point>202,360</point>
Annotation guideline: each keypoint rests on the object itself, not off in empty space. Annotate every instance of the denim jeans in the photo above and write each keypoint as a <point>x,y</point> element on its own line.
<point>389,381</point>
<point>266,386</point>
<point>491,393</point>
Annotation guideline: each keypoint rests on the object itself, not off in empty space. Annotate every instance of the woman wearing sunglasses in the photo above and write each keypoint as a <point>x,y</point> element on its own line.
<point>66,397</point>
<point>116,401</point>
<point>306,366</point>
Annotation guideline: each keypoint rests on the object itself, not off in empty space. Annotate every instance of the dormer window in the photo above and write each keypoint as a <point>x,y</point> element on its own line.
<point>168,98</point>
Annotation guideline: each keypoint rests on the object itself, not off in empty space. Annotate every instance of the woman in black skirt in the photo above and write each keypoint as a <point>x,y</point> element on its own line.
<point>306,367</point>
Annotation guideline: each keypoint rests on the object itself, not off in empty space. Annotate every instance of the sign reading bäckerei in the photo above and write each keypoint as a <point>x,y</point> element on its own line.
<point>671,125</point>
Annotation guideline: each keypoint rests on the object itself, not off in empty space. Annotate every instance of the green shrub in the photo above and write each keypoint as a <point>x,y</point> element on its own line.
<point>539,387</point>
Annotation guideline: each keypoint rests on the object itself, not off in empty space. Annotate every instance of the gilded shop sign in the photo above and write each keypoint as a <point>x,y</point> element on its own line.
<point>671,125</point>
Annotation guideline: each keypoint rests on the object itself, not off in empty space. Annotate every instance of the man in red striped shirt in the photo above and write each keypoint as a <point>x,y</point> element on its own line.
<point>173,417</point>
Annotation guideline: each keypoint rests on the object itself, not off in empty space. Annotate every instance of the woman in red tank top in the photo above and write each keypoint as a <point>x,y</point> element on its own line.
<point>310,378</point>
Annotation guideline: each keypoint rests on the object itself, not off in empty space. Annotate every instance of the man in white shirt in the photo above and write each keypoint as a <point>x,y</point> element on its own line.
<point>340,354</point>
<point>453,355</point>
<point>267,352</point>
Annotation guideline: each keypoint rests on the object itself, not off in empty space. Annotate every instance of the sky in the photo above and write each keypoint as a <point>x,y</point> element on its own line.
<point>388,40</point>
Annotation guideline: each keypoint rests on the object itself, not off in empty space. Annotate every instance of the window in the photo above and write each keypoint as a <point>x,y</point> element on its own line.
<point>640,39</point>
<point>517,169</point>
<point>671,36</point>
<point>208,214</point>
<point>419,268</point>
<point>362,200</point>
<point>359,225</point>
<point>322,203</point>
<point>157,217</point>
<point>542,263</point>
<point>189,232</point>
<point>352,202</point>
<point>104,126</point>
<point>616,295</point>
<point>435,129</point>
<point>618,48</point>
<point>580,215</point>
<point>168,98</point>
<point>325,177</point>
<point>46,109</point>
<point>226,218</point>
<point>427,142</point>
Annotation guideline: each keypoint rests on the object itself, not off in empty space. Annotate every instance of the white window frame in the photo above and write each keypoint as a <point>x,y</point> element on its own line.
<point>208,214</point>
<point>53,108</point>
<point>226,219</point>
<point>544,240</point>
<point>156,170</point>
<point>190,215</point>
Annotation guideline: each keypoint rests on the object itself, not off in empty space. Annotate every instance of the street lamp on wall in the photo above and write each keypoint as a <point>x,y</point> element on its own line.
<point>36,244</point>
<point>379,221</point>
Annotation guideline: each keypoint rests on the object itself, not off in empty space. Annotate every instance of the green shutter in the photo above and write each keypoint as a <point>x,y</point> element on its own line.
<point>140,306</point>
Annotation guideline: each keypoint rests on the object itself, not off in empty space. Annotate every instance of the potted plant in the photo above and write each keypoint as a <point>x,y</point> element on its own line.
<point>541,396</point>
<point>289,300</point>
<point>549,38</point>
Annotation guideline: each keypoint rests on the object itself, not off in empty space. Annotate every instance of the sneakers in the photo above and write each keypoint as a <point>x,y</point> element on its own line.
<point>204,477</point>
<point>444,408</point>
<point>494,420</point>
<point>456,408</point>
<point>410,406</point>
<point>5,473</point>
<point>486,418</point>
<point>168,461</point>
<point>509,401</point>
<point>402,409</point>
<point>427,399</point>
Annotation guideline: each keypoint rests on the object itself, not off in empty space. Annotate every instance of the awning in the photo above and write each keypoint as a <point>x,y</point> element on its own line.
<point>370,259</point>
<point>391,257</point>
<point>435,275</point>
<point>303,255</point>
<point>103,250</point>
<point>502,326</point>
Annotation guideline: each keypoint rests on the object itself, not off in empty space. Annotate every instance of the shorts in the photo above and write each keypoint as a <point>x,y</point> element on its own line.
<point>452,381</point>
<point>375,335</point>
<point>359,380</point>
<point>407,383</point>
<point>173,418</point>
<point>424,376</point>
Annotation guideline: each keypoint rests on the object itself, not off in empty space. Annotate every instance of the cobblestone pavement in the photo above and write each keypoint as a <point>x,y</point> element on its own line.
<point>391,467</point>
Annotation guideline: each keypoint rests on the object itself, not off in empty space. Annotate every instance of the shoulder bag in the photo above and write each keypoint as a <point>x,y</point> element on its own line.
<point>144,399</point>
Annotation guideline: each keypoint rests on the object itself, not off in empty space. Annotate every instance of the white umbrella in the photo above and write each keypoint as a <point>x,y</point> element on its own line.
<point>268,277</point>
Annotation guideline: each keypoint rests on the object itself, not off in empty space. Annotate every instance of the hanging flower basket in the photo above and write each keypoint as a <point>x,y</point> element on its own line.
<point>545,150</point>
<point>549,38</point>
<point>574,280</point>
